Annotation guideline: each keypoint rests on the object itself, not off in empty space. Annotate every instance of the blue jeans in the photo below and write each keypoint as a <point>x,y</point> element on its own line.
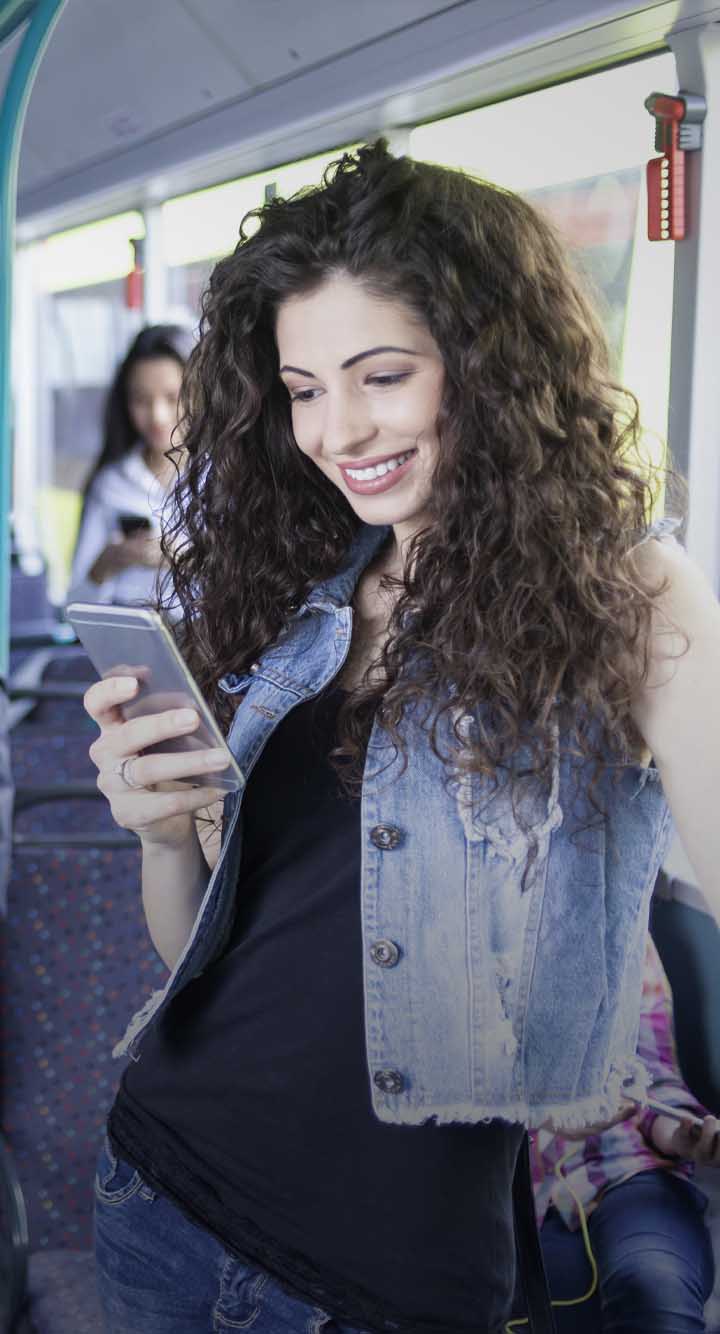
<point>654,1258</point>
<point>160,1274</point>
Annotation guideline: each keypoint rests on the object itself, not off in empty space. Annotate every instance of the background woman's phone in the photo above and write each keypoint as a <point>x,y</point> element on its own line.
<point>134,641</point>
<point>133,523</point>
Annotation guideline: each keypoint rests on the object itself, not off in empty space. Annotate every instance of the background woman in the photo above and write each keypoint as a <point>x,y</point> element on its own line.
<point>413,562</point>
<point>117,555</point>
<point>635,1183</point>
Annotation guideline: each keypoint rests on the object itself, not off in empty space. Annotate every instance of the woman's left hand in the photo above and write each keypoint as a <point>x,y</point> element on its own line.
<point>692,1143</point>
<point>595,1128</point>
<point>143,549</point>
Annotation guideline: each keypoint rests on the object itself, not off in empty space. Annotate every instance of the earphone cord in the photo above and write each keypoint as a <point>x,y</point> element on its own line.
<point>572,1301</point>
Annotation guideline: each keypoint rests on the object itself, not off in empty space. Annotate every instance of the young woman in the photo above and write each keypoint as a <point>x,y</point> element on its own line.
<point>413,561</point>
<point>651,1247</point>
<point>117,554</point>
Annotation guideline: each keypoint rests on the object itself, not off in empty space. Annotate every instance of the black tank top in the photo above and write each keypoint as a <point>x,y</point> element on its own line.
<point>250,1103</point>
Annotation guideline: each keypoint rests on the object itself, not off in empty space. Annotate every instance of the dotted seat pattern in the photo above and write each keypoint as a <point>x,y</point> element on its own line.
<point>76,962</point>
<point>63,1294</point>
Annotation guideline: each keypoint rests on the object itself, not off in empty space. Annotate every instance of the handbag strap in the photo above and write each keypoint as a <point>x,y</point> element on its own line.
<point>529,1253</point>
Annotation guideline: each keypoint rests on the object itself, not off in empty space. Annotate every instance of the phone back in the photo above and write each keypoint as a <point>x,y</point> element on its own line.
<point>134,641</point>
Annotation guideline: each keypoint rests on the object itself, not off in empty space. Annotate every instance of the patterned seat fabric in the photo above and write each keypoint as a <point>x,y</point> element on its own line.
<point>63,1294</point>
<point>76,961</point>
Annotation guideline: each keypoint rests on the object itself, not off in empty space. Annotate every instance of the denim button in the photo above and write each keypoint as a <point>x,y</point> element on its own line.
<point>386,837</point>
<point>389,1081</point>
<point>254,667</point>
<point>384,953</point>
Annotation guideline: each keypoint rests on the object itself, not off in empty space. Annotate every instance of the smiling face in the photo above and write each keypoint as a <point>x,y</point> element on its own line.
<point>365,379</point>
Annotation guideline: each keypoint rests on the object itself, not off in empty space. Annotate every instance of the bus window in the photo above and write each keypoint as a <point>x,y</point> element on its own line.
<point>198,228</point>
<point>82,327</point>
<point>578,151</point>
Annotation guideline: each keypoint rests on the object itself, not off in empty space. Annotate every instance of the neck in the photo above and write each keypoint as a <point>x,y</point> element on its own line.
<point>159,464</point>
<point>397,553</point>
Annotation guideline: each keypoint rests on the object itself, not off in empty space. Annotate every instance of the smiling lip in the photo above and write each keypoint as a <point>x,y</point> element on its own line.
<point>376,484</point>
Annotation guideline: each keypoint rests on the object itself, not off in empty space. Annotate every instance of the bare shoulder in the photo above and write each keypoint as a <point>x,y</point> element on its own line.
<point>687,603</point>
<point>676,709</point>
<point>679,695</point>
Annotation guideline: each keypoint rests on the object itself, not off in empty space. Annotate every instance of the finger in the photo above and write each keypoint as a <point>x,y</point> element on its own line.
<point>709,1139</point>
<point>150,728</point>
<point>148,770</point>
<point>103,699</point>
<point>139,811</point>
<point>701,1139</point>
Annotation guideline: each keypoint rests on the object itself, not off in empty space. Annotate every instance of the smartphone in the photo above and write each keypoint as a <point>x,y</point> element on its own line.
<point>133,523</point>
<point>135,641</point>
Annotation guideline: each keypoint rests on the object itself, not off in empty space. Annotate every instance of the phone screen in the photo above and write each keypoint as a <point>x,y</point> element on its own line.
<point>128,641</point>
<point>133,523</point>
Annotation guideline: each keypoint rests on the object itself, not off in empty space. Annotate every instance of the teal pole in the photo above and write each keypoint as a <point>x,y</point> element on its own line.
<point>12,14</point>
<point>42,17</point>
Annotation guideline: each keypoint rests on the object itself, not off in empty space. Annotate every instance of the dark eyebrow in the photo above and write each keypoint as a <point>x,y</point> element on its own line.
<point>352,361</point>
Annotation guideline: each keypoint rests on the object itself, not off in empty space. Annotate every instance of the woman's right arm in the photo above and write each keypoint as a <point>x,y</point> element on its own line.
<point>96,529</point>
<point>101,553</point>
<point>161,812</point>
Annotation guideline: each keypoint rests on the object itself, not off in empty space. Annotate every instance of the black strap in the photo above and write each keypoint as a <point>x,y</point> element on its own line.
<point>529,1253</point>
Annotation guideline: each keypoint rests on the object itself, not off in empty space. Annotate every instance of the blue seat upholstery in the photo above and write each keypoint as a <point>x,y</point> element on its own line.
<point>75,962</point>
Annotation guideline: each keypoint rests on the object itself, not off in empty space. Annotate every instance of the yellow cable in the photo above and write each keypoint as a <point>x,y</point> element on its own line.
<point>569,1301</point>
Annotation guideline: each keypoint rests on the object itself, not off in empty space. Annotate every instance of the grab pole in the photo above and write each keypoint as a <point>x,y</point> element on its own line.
<point>41,17</point>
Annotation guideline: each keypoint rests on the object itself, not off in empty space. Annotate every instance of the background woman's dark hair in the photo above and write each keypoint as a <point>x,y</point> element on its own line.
<point>521,596</point>
<point>119,434</point>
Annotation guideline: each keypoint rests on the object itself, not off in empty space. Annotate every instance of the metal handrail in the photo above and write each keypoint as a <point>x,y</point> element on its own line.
<point>27,795</point>
<point>41,17</point>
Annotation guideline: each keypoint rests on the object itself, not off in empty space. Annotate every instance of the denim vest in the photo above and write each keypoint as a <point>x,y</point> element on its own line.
<point>487,994</point>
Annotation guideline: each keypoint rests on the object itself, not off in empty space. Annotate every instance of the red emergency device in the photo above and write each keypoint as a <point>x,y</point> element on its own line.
<point>678,130</point>
<point>134,282</point>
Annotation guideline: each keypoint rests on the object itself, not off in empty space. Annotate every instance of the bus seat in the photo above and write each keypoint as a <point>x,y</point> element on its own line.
<point>75,962</point>
<point>688,942</point>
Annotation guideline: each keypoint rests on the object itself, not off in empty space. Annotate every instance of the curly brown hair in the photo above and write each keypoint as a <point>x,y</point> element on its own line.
<point>519,598</point>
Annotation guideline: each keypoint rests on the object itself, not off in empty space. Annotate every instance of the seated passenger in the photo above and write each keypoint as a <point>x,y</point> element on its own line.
<point>117,555</point>
<point>646,1226</point>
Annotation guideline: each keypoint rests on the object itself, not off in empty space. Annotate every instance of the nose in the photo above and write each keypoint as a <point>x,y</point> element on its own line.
<point>347,424</point>
<point>161,414</point>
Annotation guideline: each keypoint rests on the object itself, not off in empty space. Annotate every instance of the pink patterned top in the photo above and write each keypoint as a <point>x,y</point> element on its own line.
<point>625,1149</point>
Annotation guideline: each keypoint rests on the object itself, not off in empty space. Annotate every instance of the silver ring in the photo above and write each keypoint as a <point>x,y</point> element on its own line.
<point>121,769</point>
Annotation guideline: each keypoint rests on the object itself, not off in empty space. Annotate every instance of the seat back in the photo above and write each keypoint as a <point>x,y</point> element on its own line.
<point>688,942</point>
<point>76,963</point>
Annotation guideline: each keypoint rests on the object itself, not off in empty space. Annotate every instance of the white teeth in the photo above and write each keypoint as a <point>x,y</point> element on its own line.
<point>368,474</point>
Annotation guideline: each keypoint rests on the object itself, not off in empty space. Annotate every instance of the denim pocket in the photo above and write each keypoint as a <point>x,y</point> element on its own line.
<point>115,1180</point>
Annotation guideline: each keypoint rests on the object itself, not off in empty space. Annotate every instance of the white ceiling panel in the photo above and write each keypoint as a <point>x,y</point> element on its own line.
<point>206,89</point>
<point>274,38</point>
<point>116,73</point>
